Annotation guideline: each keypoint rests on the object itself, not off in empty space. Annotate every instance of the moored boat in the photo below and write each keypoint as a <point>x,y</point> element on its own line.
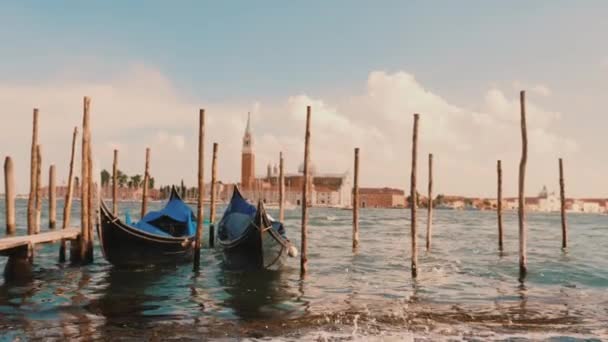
<point>251,239</point>
<point>160,237</point>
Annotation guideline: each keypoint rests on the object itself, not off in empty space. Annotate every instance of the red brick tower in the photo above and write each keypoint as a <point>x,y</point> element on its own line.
<point>247,158</point>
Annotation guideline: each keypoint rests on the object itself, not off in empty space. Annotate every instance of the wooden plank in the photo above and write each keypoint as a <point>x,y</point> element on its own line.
<point>47,237</point>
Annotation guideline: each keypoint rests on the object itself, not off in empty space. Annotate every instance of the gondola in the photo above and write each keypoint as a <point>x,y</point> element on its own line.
<point>160,237</point>
<point>250,239</point>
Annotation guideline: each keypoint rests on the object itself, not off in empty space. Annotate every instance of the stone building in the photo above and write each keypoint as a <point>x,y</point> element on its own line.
<point>381,198</point>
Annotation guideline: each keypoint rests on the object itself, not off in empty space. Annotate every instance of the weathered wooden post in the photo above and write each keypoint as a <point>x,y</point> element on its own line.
<point>84,192</point>
<point>115,184</point>
<point>90,199</point>
<point>144,200</point>
<point>67,205</point>
<point>356,202</point>
<point>213,197</point>
<point>31,203</point>
<point>414,198</point>
<point>562,196</point>
<point>305,189</point>
<point>523,259</point>
<point>52,198</point>
<point>281,189</point>
<point>499,205</point>
<point>201,190</point>
<point>429,220</point>
<point>9,195</point>
<point>38,188</point>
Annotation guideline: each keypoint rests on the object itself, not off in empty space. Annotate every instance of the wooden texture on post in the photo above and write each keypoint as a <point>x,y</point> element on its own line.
<point>31,203</point>
<point>213,196</point>
<point>9,195</point>
<point>91,197</point>
<point>115,184</point>
<point>356,202</point>
<point>414,198</point>
<point>144,200</point>
<point>523,259</point>
<point>429,220</point>
<point>201,190</point>
<point>499,205</point>
<point>303,254</point>
<point>281,189</point>
<point>84,187</point>
<point>52,198</point>
<point>38,187</point>
<point>562,197</point>
<point>67,205</point>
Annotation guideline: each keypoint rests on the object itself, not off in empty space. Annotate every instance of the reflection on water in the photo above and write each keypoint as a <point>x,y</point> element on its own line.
<point>466,288</point>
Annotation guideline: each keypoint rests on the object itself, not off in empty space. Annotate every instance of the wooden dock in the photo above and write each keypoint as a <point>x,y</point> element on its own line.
<point>9,245</point>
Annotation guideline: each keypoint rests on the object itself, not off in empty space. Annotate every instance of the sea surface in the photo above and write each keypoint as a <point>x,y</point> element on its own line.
<point>466,290</point>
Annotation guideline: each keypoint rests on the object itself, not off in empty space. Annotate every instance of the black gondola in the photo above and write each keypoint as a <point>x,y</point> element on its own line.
<point>250,239</point>
<point>160,237</point>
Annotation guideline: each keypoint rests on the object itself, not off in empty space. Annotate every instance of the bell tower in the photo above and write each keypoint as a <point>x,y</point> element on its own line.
<point>247,158</point>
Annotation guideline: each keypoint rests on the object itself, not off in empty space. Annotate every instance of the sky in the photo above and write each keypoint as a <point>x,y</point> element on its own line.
<point>364,68</point>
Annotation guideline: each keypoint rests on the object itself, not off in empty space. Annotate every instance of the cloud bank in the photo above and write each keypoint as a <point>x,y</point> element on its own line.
<point>142,108</point>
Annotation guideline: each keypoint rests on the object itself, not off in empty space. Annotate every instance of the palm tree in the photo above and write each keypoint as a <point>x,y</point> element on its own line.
<point>105,178</point>
<point>151,183</point>
<point>136,181</point>
<point>122,179</point>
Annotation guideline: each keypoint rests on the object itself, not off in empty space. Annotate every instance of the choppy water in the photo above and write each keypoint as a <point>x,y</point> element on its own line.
<point>465,290</point>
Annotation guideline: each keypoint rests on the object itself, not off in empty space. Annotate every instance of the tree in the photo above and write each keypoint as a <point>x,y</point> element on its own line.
<point>409,200</point>
<point>136,181</point>
<point>151,183</point>
<point>105,178</point>
<point>122,179</point>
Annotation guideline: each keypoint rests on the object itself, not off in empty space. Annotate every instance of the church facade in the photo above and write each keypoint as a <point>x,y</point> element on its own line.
<point>325,189</point>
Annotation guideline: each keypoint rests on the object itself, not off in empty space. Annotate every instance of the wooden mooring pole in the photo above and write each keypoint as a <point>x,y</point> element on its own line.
<point>144,200</point>
<point>305,189</point>
<point>281,189</point>
<point>429,220</point>
<point>201,190</point>
<point>356,202</point>
<point>91,199</point>
<point>115,184</point>
<point>67,205</point>
<point>31,202</point>
<point>52,198</point>
<point>499,205</point>
<point>84,192</point>
<point>414,198</point>
<point>38,187</point>
<point>523,259</point>
<point>9,195</point>
<point>213,197</point>
<point>562,197</point>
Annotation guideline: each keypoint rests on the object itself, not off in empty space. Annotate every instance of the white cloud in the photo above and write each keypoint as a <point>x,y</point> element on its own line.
<point>142,108</point>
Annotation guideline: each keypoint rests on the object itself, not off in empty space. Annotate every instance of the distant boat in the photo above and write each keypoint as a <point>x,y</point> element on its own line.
<point>251,239</point>
<point>160,237</point>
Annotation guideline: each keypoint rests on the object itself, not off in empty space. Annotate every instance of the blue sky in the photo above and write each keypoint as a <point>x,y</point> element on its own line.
<point>244,53</point>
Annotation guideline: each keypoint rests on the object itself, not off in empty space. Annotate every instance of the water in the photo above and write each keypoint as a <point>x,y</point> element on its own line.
<point>465,290</point>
